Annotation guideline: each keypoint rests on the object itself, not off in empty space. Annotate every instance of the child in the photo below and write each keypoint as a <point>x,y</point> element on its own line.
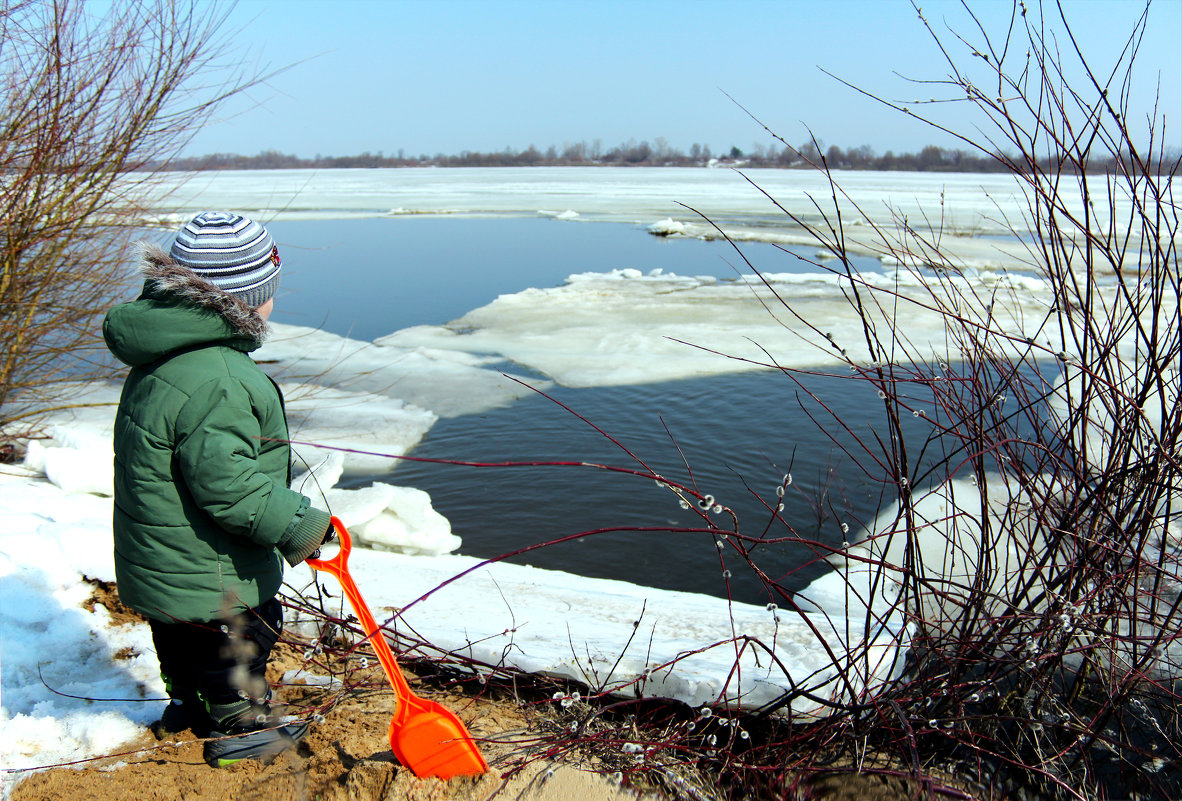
<point>203,512</point>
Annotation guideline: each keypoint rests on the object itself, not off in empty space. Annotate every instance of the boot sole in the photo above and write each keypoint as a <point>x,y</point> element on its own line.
<point>235,748</point>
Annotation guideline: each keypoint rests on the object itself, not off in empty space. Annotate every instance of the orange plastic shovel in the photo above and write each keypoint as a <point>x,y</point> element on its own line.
<point>425,736</point>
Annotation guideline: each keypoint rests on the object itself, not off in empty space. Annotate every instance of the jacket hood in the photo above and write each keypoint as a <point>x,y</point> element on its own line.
<point>178,310</point>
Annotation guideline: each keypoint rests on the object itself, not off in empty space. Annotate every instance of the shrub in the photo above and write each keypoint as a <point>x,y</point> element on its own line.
<point>1034,547</point>
<point>87,102</point>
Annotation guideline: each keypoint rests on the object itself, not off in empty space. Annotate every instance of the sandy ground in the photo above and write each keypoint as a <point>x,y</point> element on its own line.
<point>347,757</point>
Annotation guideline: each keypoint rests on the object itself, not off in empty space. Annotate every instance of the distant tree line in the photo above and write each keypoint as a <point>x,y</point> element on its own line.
<point>645,154</point>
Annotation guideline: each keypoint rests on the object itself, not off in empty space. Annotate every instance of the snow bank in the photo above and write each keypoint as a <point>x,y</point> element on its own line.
<point>951,547</point>
<point>1115,398</point>
<point>51,539</point>
<point>380,516</point>
<point>986,549</point>
<point>74,458</point>
<point>626,639</point>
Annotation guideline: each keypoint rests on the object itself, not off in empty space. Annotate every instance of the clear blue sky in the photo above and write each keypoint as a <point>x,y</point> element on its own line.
<point>430,76</point>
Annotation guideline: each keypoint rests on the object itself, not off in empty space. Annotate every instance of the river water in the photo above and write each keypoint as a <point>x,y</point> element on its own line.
<point>369,253</point>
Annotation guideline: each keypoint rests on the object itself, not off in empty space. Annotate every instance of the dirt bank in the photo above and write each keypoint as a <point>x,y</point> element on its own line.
<point>347,756</point>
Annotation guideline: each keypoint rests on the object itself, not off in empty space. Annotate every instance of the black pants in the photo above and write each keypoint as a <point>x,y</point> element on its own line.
<point>220,661</point>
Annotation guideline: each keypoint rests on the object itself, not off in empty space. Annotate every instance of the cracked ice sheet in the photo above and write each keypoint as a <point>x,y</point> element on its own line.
<point>78,456</point>
<point>448,382</point>
<point>625,327</point>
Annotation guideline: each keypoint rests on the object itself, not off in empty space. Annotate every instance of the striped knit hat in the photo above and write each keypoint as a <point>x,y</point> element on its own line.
<point>233,253</point>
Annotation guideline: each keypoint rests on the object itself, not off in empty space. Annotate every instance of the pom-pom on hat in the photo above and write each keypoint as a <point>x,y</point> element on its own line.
<point>232,252</point>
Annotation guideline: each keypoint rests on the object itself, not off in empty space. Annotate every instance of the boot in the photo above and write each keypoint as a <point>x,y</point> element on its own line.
<point>183,712</point>
<point>249,729</point>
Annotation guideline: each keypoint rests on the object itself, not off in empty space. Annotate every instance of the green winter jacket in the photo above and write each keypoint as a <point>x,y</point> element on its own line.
<point>202,467</point>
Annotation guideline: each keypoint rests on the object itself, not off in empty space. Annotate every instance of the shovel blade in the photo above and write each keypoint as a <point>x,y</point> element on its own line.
<point>433,742</point>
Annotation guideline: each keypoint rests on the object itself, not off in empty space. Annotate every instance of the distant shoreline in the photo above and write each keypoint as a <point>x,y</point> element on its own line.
<point>807,157</point>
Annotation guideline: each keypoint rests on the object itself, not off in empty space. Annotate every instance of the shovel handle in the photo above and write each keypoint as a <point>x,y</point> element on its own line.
<point>338,566</point>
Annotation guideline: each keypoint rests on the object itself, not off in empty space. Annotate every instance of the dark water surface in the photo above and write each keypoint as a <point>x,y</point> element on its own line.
<point>734,437</point>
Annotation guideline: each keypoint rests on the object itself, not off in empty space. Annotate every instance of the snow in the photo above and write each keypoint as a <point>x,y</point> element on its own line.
<point>73,457</point>
<point>1124,381</point>
<point>972,204</point>
<point>611,635</point>
<point>445,381</point>
<point>569,214</point>
<point>628,327</point>
<point>951,547</point>
<point>51,643</point>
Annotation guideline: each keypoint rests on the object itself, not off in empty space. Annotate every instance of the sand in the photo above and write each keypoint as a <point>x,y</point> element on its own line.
<point>347,756</point>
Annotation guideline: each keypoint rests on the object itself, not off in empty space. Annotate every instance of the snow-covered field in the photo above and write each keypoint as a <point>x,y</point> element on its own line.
<point>972,204</point>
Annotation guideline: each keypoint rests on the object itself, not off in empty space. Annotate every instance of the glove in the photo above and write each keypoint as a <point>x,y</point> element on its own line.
<point>329,536</point>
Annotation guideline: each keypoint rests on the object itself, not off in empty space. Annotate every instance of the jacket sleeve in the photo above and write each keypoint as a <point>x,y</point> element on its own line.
<point>217,451</point>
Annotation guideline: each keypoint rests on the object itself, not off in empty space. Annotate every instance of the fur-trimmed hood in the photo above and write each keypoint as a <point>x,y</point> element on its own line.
<point>178,310</point>
<point>164,274</point>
